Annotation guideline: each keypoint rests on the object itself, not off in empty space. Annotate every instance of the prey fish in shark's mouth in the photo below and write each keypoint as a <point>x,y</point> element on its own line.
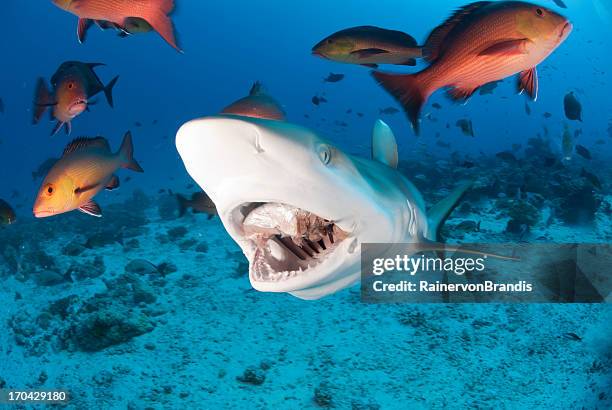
<point>287,241</point>
<point>299,207</point>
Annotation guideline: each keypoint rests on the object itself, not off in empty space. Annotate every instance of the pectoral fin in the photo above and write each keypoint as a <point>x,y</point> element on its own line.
<point>91,208</point>
<point>440,211</point>
<point>506,48</point>
<point>368,52</point>
<point>81,190</point>
<point>113,184</point>
<point>528,82</point>
<point>82,27</point>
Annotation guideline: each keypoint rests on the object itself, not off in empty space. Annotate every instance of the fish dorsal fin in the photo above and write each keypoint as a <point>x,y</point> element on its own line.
<point>384,145</point>
<point>435,42</point>
<point>257,89</point>
<point>84,142</point>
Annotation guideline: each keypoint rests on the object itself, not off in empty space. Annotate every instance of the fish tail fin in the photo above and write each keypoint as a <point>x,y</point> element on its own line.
<point>108,91</point>
<point>157,16</point>
<point>183,204</point>
<point>127,154</point>
<point>42,100</point>
<point>409,90</point>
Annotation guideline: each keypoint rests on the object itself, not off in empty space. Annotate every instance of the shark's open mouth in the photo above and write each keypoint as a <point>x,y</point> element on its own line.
<point>287,241</point>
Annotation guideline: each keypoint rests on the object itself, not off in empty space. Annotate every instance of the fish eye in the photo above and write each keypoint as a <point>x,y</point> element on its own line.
<point>49,190</point>
<point>325,154</point>
<point>70,85</point>
<point>539,12</point>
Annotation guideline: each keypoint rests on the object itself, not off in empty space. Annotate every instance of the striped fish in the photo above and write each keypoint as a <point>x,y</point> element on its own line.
<point>482,42</point>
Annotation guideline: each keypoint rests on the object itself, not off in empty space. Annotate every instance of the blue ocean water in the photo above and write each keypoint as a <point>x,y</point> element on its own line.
<point>194,334</point>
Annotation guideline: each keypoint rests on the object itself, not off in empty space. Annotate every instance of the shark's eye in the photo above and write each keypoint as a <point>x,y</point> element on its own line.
<point>325,154</point>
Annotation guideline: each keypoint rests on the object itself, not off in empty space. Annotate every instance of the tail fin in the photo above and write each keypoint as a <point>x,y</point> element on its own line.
<point>183,204</point>
<point>42,100</point>
<point>108,91</point>
<point>408,91</point>
<point>440,211</point>
<point>157,16</point>
<point>127,154</point>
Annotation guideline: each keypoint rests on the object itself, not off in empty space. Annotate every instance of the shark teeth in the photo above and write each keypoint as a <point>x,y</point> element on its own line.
<point>288,241</point>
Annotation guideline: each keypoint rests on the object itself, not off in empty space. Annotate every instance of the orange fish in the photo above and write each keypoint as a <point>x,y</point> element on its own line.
<point>257,104</point>
<point>74,83</point>
<point>86,167</point>
<point>121,13</point>
<point>482,42</point>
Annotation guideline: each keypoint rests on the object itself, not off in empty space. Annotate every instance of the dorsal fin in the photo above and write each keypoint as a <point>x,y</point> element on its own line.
<point>84,142</point>
<point>384,145</point>
<point>257,89</point>
<point>433,45</point>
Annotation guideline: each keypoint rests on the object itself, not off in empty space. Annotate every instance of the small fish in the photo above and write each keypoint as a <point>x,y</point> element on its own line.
<point>388,111</point>
<point>127,16</point>
<point>506,156</point>
<point>316,100</point>
<point>73,85</point>
<point>137,124</point>
<point>369,46</point>
<point>547,115</point>
<point>567,145</point>
<point>592,178</point>
<point>572,336</point>
<point>44,168</point>
<point>468,226</point>
<point>482,42</point>
<point>7,214</point>
<point>200,203</point>
<point>488,88</point>
<point>466,127</point>
<point>131,25</point>
<point>583,152</point>
<point>360,114</point>
<point>258,104</point>
<point>86,167</point>
<point>572,107</point>
<point>333,78</point>
<point>436,106</point>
